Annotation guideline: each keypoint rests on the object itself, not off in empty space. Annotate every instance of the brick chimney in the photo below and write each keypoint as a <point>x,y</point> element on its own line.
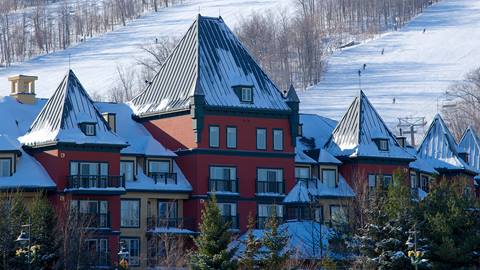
<point>23,88</point>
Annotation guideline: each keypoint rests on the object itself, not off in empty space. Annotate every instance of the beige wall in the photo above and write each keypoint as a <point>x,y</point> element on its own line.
<point>141,233</point>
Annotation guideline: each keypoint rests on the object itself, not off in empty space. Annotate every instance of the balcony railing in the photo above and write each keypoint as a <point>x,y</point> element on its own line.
<point>94,220</point>
<point>175,222</point>
<point>163,177</point>
<point>95,181</point>
<point>232,220</point>
<point>223,185</point>
<point>310,182</point>
<point>262,221</point>
<point>270,187</point>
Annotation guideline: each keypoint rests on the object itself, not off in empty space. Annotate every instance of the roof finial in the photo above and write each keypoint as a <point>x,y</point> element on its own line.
<point>360,80</point>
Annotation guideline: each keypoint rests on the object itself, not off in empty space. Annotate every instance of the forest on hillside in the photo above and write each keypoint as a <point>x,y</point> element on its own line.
<point>33,27</point>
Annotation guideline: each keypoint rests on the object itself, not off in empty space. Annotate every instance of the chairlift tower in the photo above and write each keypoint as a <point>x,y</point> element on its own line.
<point>409,125</point>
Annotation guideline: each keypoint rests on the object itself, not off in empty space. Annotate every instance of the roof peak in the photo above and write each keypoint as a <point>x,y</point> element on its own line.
<point>60,118</point>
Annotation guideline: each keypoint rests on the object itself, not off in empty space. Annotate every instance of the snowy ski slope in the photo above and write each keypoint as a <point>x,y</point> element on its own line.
<point>96,60</point>
<point>416,67</point>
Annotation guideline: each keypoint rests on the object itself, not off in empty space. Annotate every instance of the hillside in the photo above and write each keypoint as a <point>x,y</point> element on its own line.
<point>415,69</point>
<point>96,60</point>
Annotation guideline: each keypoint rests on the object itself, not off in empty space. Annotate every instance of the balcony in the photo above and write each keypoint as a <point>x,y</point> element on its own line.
<point>165,223</point>
<point>310,182</point>
<point>262,221</point>
<point>274,187</point>
<point>95,182</point>
<point>163,177</point>
<point>223,185</point>
<point>94,220</point>
<point>232,220</point>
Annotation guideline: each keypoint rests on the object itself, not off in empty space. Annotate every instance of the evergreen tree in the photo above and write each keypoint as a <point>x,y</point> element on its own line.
<point>248,260</point>
<point>13,215</point>
<point>273,254</point>
<point>381,242</point>
<point>44,233</point>
<point>451,226</point>
<point>212,243</point>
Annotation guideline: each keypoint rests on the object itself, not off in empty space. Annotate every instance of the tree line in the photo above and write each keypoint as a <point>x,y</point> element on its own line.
<point>32,27</point>
<point>292,46</point>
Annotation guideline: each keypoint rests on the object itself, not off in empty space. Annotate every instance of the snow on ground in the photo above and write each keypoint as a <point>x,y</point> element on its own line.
<point>416,67</point>
<point>96,60</point>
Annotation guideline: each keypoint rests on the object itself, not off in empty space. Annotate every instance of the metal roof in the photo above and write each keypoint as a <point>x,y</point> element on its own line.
<point>470,144</point>
<point>59,119</point>
<point>208,61</point>
<point>440,148</point>
<point>355,134</point>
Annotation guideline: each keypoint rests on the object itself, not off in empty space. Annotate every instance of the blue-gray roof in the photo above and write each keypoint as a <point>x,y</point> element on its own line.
<point>208,61</point>
<point>355,134</point>
<point>60,117</point>
<point>470,144</point>
<point>440,149</point>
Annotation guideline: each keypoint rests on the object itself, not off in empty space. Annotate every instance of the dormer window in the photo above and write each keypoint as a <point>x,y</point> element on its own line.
<point>247,94</point>
<point>89,129</point>
<point>244,93</point>
<point>383,145</point>
<point>5,167</point>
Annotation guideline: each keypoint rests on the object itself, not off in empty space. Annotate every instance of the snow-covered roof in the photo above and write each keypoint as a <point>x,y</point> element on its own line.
<point>59,119</point>
<point>303,243</point>
<point>322,156</point>
<point>302,158</point>
<point>316,130</point>
<point>305,191</point>
<point>16,118</point>
<point>208,62</point>
<point>439,149</point>
<point>8,144</point>
<point>145,183</point>
<point>137,136</point>
<point>355,134</point>
<point>470,144</point>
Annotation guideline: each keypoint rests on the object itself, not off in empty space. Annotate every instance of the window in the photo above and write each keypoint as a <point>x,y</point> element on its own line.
<point>424,183</point>
<point>318,214</point>
<point>270,175</point>
<point>98,251</point>
<point>278,139</point>
<point>387,180</point>
<point>223,179</point>
<point>229,213</point>
<point>130,213</point>
<point>126,170</point>
<point>158,166</point>
<point>167,210</point>
<point>90,129</point>
<point>302,172</point>
<point>133,247</point>
<point>92,212</point>
<point>223,173</point>
<point>261,139</point>
<point>89,174</point>
<point>329,177</point>
<point>413,180</point>
<point>265,211</point>
<point>270,181</point>
<point>338,215</point>
<point>247,94</point>
<point>5,167</point>
<point>231,137</point>
<point>383,145</point>
<point>214,136</point>
<point>372,180</point>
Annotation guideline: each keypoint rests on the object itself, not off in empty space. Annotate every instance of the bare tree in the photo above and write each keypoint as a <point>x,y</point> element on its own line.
<point>462,110</point>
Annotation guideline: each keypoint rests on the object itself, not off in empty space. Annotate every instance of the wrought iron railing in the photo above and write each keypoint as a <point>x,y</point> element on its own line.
<point>163,177</point>
<point>95,181</point>
<point>173,222</point>
<point>223,185</point>
<point>270,187</point>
